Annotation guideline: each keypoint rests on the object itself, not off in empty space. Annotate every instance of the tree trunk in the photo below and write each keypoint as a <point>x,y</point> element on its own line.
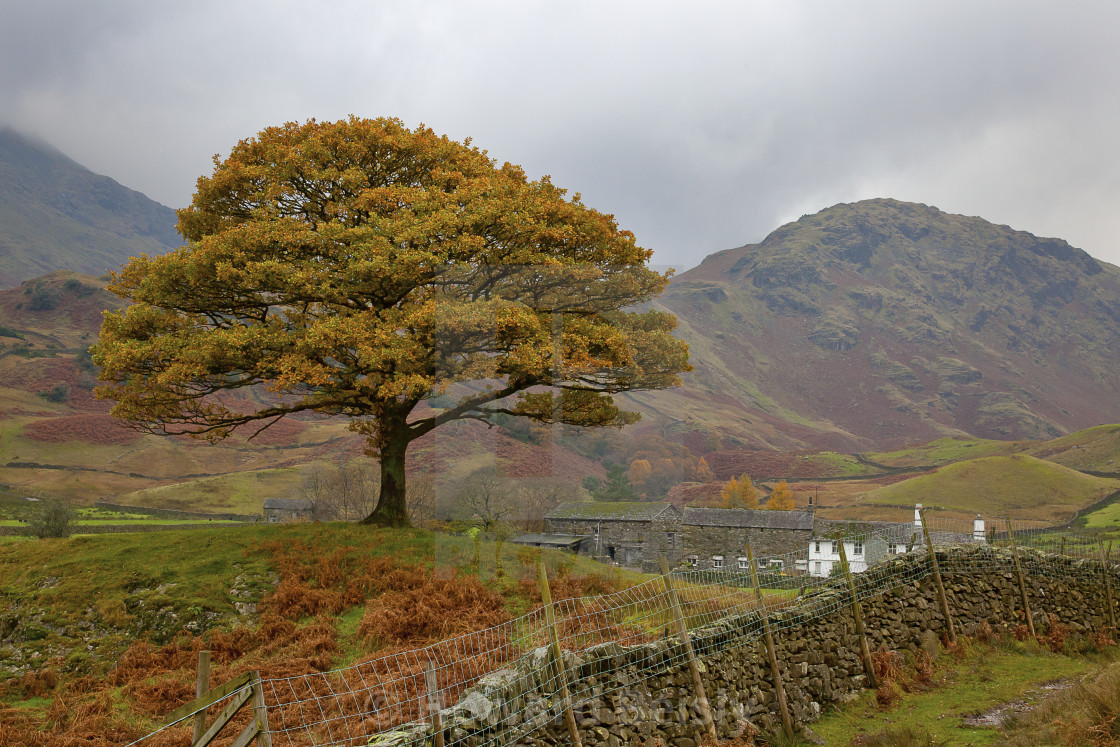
<point>392,505</point>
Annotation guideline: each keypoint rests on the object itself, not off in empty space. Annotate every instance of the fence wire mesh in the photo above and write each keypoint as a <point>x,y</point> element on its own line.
<point>473,675</point>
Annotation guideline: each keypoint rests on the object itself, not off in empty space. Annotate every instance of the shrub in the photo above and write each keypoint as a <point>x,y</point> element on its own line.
<point>78,288</point>
<point>42,298</point>
<point>52,518</point>
<point>60,394</point>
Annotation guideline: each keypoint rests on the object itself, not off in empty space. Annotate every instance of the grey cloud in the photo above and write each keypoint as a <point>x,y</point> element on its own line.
<point>700,127</point>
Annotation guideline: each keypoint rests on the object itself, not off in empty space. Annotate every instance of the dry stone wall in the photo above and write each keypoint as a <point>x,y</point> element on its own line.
<point>628,695</point>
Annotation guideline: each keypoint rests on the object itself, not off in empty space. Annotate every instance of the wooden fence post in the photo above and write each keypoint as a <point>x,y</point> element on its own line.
<point>779,686</point>
<point>857,612</point>
<point>1107,585</point>
<point>264,739</point>
<point>202,686</point>
<point>561,670</point>
<point>941,598</point>
<point>690,654</point>
<point>1022,581</point>
<point>434,705</point>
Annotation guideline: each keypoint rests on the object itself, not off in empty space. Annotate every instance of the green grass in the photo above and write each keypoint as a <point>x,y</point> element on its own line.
<point>1105,519</point>
<point>1096,449</point>
<point>238,492</point>
<point>843,464</point>
<point>987,676</point>
<point>1016,485</point>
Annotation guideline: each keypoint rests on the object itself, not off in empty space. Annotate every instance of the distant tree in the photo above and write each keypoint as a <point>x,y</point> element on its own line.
<point>52,517</point>
<point>781,498</point>
<point>345,489</point>
<point>360,268</point>
<point>487,498</point>
<point>703,471</point>
<point>421,499</point>
<point>739,493</point>
<point>538,497</point>
<point>639,473</point>
<point>617,487</point>
<point>592,483</point>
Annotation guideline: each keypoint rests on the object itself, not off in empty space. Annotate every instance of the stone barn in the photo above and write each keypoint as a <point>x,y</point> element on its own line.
<point>281,510</point>
<point>630,533</point>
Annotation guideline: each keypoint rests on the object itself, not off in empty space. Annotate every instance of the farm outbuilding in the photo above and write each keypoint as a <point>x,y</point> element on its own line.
<point>283,510</point>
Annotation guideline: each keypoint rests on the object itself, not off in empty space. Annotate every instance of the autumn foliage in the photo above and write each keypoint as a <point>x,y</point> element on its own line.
<point>361,268</point>
<point>739,493</point>
<point>781,498</point>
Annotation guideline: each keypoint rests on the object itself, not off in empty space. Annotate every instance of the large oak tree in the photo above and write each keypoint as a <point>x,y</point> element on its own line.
<point>364,269</point>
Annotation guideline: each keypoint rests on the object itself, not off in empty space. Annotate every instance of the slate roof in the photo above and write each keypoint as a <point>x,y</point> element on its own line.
<point>748,518</point>
<point>551,540</point>
<point>615,511</point>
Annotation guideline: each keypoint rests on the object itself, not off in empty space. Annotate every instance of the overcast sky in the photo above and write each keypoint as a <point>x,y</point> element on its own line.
<point>701,126</point>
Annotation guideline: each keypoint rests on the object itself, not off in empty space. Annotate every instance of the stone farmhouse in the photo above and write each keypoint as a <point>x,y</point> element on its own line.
<point>717,537</point>
<point>637,534</point>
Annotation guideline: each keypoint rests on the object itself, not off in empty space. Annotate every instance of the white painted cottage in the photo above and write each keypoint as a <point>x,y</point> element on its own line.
<point>863,550</point>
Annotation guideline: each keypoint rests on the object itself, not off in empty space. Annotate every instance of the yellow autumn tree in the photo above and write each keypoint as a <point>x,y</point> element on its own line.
<point>703,471</point>
<point>364,269</point>
<point>739,493</point>
<point>640,472</point>
<point>781,498</point>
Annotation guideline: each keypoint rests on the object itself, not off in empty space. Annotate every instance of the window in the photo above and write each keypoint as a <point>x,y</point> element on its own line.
<point>857,549</point>
<point>892,548</point>
<point>816,567</point>
<point>817,549</point>
<point>692,560</point>
<point>743,563</point>
<point>777,565</point>
<point>717,561</point>
<point>835,547</point>
<point>670,537</point>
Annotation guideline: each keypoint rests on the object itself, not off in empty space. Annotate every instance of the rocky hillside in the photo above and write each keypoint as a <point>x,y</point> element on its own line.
<point>883,322</point>
<point>57,215</point>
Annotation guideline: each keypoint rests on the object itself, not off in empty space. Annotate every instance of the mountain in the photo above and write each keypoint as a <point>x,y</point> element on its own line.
<point>881,323</point>
<point>58,215</point>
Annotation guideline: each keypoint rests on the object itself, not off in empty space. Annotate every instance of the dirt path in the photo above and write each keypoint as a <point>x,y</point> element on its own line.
<point>994,717</point>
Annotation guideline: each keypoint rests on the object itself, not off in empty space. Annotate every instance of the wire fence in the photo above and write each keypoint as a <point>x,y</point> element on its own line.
<point>501,682</point>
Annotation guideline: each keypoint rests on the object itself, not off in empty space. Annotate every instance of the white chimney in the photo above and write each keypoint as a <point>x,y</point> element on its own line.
<point>978,533</point>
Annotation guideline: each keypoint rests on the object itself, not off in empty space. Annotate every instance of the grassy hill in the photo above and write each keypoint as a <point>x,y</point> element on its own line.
<point>1093,449</point>
<point>1019,486</point>
<point>57,215</point>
